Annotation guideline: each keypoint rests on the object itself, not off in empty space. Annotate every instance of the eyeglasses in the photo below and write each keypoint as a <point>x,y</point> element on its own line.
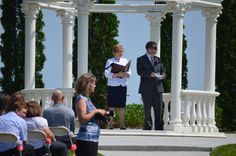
<point>154,48</point>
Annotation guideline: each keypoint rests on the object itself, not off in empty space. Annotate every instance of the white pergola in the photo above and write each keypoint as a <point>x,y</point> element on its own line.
<point>190,111</point>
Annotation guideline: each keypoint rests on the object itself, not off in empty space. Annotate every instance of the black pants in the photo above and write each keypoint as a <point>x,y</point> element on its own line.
<point>27,151</point>
<point>86,148</point>
<point>153,100</point>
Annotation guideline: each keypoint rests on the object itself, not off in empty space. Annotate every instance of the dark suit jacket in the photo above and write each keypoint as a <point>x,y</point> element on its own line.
<point>144,70</point>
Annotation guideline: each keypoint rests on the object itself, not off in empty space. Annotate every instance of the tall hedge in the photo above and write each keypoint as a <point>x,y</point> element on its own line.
<point>226,66</point>
<point>12,47</point>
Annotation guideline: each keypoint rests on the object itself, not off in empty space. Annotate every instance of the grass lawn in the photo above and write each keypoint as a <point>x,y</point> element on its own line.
<point>99,154</point>
<point>225,150</point>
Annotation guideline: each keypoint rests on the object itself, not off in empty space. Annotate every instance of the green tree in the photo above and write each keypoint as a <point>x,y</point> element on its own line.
<point>40,56</point>
<point>103,28</point>
<point>225,66</point>
<point>166,54</point>
<point>12,47</point>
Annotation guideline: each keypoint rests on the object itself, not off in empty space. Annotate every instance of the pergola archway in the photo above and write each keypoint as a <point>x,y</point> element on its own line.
<point>198,107</point>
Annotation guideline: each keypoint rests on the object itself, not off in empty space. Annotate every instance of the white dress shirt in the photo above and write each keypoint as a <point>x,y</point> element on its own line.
<point>116,81</point>
<point>149,57</point>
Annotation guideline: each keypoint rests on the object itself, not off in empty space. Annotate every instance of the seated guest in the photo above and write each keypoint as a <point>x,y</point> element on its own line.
<point>13,122</point>
<point>60,115</point>
<point>4,100</point>
<point>36,122</point>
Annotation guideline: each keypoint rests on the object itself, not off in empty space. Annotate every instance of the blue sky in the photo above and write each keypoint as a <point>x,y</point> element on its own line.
<point>133,34</point>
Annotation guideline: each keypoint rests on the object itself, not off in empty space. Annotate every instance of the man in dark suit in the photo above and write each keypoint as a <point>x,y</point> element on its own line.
<point>152,72</point>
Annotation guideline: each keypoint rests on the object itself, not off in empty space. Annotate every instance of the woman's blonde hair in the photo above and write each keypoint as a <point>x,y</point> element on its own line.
<point>117,48</point>
<point>81,84</point>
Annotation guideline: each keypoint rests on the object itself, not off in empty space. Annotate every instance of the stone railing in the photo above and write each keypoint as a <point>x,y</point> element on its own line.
<point>43,96</point>
<point>197,110</point>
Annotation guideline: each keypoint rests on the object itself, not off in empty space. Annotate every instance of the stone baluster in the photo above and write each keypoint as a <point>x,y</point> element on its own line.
<point>199,113</point>
<point>210,115</point>
<point>204,114</point>
<point>166,100</point>
<point>193,115</point>
<point>215,129</point>
<point>186,113</point>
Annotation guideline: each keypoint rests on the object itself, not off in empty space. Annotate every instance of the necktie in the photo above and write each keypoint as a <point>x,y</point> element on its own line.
<point>152,60</point>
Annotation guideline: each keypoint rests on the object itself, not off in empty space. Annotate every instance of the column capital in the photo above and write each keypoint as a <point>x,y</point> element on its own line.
<point>30,10</point>
<point>83,5</point>
<point>155,17</point>
<point>66,16</point>
<point>179,9</point>
<point>212,13</point>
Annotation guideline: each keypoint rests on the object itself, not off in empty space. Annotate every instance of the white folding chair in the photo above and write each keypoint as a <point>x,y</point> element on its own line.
<point>11,138</point>
<point>62,131</point>
<point>37,135</point>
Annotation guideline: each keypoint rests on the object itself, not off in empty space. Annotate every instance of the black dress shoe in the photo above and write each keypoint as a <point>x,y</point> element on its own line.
<point>111,128</point>
<point>122,128</point>
<point>147,128</point>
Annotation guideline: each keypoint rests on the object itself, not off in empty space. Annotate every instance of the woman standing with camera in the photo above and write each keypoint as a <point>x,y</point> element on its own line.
<point>117,85</point>
<point>88,135</point>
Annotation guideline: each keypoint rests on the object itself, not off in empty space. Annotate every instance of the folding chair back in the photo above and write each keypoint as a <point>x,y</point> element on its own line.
<point>12,138</point>
<point>37,135</point>
<point>8,137</point>
<point>61,131</point>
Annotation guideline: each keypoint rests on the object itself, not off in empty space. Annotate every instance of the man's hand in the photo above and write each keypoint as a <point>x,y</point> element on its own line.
<point>153,75</point>
<point>158,76</point>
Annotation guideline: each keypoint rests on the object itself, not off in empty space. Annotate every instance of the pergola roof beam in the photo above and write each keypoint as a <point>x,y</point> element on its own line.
<point>131,8</point>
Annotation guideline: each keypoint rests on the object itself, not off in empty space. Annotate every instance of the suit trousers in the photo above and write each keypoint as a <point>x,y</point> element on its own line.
<point>153,100</point>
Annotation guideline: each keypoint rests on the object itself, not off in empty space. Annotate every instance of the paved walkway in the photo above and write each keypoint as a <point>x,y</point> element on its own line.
<point>138,142</point>
<point>146,153</point>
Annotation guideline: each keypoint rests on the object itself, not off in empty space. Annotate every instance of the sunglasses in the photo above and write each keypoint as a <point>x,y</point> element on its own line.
<point>154,48</point>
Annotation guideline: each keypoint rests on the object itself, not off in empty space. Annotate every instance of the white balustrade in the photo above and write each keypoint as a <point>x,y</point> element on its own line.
<point>197,110</point>
<point>43,96</point>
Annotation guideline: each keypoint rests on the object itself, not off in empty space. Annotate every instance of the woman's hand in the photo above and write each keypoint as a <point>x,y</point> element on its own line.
<point>124,74</point>
<point>121,75</point>
<point>101,111</point>
<point>117,75</point>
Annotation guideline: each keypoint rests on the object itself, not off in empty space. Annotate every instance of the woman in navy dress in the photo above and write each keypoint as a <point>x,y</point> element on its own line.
<point>117,85</point>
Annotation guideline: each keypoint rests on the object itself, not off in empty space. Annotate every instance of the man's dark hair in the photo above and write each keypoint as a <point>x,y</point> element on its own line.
<point>150,44</point>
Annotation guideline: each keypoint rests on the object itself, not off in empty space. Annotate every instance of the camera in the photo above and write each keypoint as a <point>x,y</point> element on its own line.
<point>105,118</point>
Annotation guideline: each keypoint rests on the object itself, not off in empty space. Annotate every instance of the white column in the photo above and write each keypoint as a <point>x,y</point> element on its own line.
<point>155,19</point>
<point>67,22</point>
<point>30,11</point>
<point>176,66</point>
<point>211,15</point>
<point>82,7</point>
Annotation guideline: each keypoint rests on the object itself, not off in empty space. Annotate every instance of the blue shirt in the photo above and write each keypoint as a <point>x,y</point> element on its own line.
<point>12,123</point>
<point>90,130</point>
<point>60,115</point>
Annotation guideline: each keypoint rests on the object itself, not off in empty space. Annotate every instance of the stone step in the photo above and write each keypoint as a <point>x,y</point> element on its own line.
<point>153,148</point>
<point>140,132</point>
<point>161,141</point>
